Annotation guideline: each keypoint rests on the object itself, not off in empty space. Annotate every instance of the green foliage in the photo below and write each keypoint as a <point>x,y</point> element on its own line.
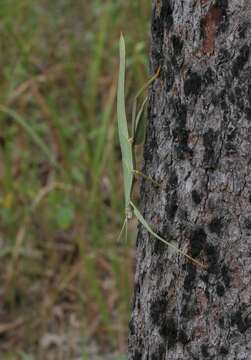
<point>64,216</point>
<point>60,192</point>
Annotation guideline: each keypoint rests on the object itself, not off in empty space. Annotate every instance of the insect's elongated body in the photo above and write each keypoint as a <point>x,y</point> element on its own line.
<point>127,149</point>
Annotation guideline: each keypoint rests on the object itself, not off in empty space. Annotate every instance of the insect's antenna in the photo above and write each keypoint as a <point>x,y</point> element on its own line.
<point>122,230</point>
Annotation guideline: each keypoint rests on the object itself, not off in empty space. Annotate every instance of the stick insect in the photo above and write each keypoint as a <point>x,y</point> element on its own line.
<point>127,149</point>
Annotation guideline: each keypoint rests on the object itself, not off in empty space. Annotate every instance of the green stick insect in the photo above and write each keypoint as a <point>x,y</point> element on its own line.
<point>128,155</point>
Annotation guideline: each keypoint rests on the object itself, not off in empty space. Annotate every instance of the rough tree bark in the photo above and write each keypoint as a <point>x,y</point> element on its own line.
<point>198,146</point>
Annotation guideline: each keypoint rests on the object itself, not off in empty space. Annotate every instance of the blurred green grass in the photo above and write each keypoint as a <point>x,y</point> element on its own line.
<point>61,200</point>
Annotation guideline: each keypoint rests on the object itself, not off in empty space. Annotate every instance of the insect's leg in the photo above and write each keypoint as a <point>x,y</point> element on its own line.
<point>149,229</point>
<point>140,125</point>
<point>135,117</point>
<point>122,230</point>
<point>149,178</point>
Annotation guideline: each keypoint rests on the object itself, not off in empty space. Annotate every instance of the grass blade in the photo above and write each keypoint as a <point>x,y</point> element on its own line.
<point>37,140</point>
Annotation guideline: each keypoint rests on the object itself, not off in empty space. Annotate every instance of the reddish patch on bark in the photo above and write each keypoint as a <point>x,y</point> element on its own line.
<point>199,332</point>
<point>158,2</point>
<point>210,24</point>
<point>215,313</point>
<point>202,301</point>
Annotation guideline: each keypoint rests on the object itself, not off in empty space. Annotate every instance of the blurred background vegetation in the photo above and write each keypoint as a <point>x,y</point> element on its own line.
<point>65,283</point>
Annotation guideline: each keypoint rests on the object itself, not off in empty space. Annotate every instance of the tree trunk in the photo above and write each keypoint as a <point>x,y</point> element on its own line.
<point>198,146</point>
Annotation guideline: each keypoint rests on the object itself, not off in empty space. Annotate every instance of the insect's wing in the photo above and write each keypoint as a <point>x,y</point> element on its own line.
<point>125,144</point>
<point>148,228</point>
